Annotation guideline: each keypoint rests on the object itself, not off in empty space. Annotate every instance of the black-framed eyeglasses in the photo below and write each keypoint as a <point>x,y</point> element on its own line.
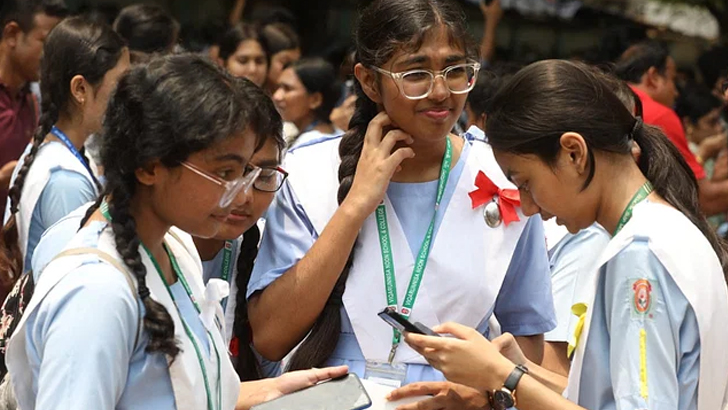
<point>418,84</point>
<point>270,179</point>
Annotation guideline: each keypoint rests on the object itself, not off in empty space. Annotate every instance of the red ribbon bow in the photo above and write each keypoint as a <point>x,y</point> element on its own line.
<point>508,200</point>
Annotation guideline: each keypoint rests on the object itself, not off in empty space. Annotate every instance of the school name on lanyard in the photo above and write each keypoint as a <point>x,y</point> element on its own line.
<point>638,197</point>
<point>67,142</point>
<point>390,281</point>
<point>227,267</point>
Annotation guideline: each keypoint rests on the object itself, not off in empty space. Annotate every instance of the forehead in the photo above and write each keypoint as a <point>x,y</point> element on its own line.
<point>249,47</point>
<point>44,23</point>
<point>438,46</point>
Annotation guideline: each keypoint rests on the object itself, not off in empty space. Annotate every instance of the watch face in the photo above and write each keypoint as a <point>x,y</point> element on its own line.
<point>502,399</point>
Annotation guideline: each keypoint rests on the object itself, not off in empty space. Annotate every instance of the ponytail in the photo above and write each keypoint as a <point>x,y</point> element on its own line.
<point>324,336</point>
<point>11,254</point>
<point>673,179</point>
<point>157,321</point>
<point>247,364</point>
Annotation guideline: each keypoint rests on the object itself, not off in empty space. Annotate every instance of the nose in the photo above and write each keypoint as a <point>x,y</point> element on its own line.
<point>439,89</point>
<point>528,206</point>
<point>278,96</point>
<point>243,198</point>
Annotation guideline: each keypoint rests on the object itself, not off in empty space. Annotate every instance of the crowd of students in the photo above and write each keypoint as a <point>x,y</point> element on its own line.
<point>216,230</point>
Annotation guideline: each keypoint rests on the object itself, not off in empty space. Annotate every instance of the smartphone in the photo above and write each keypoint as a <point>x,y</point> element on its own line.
<point>343,393</point>
<point>399,322</point>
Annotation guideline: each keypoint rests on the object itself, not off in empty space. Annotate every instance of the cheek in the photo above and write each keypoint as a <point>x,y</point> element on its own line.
<point>261,202</point>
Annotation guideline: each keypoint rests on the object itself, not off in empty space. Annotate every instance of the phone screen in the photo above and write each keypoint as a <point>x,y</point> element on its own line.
<point>345,393</point>
<point>398,321</point>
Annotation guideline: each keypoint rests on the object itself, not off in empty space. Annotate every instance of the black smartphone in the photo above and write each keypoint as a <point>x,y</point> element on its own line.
<point>343,393</point>
<point>399,322</point>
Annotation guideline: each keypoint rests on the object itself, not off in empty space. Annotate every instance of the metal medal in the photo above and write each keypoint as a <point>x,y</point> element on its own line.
<point>492,214</point>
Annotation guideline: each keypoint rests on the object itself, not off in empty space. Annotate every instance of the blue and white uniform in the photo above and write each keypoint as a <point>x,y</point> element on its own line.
<point>56,184</point>
<point>473,271</point>
<point>76,346</point>
<point>312,137</point>
<point>573,259</point>
<point>654,333</point>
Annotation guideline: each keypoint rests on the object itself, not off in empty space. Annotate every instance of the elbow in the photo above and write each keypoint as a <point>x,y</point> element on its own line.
<point>268,346</point>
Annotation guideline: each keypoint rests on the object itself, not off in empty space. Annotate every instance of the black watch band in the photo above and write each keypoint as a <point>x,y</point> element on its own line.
<point>515,377</point>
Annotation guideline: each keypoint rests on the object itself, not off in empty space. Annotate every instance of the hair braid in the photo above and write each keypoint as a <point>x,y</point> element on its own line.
<point>157,321</point>
<point>247,365</point>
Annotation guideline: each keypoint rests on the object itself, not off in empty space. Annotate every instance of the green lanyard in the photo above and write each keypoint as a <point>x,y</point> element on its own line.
<point>390,281</point>
<point>638,197</point>
<point>227,267</point>
<point>175,266</point>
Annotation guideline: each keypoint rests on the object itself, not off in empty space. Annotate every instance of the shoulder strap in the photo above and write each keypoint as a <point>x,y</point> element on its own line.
<point>115,263</point>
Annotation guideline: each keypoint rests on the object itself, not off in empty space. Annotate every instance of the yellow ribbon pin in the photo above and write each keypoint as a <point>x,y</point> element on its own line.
<point>578,309</point>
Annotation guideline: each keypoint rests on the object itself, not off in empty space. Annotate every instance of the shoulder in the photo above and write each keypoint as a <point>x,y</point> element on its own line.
<point>315,139</point>
<point>475,134</point>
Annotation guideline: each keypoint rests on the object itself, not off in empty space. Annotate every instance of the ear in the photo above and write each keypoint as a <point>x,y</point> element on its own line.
<point>368,81</point>
<point>10,33</point>
<point>149,174</point>
<point>574,152</point>
<point>79,89</point>
<point>653,77</point>
<point>315,100</point>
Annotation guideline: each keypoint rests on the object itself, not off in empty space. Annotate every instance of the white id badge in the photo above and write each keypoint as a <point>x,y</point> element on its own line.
<point>386,374</point>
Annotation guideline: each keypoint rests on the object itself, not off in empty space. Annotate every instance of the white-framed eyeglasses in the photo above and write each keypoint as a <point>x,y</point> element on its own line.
<point>418,84</point>
<point>232,188</point>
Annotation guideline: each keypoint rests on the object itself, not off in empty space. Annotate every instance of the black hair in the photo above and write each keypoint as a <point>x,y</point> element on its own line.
<point>548,98</point>
<point>163,111</point>
<point>76,46</point>
<point>280,37</point>
<point>237,34</point>
<point>713,64</point>
<point>489,81</point>
<point>319,76</point>
<point>385,27</point>
<point>147,28</point>
<point>638,59</point>
<point>695,101</point>
<point>24,11</point>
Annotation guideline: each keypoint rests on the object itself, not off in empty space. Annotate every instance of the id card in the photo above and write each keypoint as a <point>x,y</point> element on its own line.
<point>386,374</point>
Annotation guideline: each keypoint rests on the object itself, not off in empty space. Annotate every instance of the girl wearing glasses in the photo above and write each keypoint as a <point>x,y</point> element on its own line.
<point>121,318</point>
<point>230,254</point>
<point>307,93</point>
<point>81,65</point>
<point>652,333</point>
<point>383,216</point>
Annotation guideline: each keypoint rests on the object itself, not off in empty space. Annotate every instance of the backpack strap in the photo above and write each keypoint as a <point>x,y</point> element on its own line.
<point>115,263</point>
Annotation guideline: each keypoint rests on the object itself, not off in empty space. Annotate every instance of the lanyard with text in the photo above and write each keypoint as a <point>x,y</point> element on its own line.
<point>227,266</point>
<point>175,266</point>
<point>638,197</point>
<point>390,281</point>
<point>64,139</point>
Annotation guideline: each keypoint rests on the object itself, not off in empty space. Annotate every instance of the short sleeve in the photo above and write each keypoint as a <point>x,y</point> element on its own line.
<point>83,353</point>
<point>288,235</point>
<point>525,306</point>
<point>573,269</point>
<point>645,311</point>
<point>64,192</point>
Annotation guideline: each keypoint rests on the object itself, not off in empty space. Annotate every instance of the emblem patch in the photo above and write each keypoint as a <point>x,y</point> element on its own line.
<point>642,299</point>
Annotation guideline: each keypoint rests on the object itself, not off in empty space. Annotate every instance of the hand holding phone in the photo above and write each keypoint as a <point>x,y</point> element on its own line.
<point>399,322</point>
<point>342,393</point>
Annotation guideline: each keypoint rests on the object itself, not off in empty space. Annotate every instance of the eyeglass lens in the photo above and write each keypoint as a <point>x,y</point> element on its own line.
<point>458,79</point>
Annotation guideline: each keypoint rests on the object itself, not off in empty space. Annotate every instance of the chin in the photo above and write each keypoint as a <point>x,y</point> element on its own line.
<point>230,231</point>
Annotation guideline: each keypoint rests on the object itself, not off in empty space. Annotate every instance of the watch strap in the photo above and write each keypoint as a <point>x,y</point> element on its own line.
<point>515,376</point>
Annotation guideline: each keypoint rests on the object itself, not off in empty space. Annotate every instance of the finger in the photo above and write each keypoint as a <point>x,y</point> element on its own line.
<point>416,389</point>
<point>435,403</point>
<point>506,339</point>
<point>375,130</point>
<point>457,330</point>
<point>392,138</point>
<point>328,373</point>
<point>398,156</point>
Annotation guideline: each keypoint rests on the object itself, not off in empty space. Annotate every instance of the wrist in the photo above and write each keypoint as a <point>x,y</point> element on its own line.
<point>354,210</point>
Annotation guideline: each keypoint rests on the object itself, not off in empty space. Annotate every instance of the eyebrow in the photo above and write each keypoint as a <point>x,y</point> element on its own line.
<point>419,59</point>
<point>230,157</point>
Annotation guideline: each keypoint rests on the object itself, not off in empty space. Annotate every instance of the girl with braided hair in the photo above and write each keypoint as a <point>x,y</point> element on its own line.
<point>81,64</point>
<point>383,217</point>
<point>121,318</point>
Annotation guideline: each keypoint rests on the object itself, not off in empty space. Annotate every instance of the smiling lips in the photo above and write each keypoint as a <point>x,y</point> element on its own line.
<point>437,113</point>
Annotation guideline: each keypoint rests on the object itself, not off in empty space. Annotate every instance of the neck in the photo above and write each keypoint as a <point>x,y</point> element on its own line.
<point>427,162</point>
<point>304,123</point>
<point>616,197</point>
<point>73,130</point>
<point>208,248</point>
<point>151,230</point>
<point>9,76</point>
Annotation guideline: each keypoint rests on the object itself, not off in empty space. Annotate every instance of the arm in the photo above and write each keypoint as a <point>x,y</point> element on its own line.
<point>6,173</point>
<point>236,14</point>
<point>283,313</point>
<point>555,358</point>
<point>713,196</point>
<point>492,15</point>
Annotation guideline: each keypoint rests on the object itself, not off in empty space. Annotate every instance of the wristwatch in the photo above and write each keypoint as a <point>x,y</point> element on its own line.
<point>505,397</point>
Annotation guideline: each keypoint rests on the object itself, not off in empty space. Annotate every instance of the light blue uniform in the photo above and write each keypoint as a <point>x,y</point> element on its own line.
<point>523,307</point>
<point>80,340</point>
<point>611,376</point>
<point>65,191</point>
<point>573,266</point>
<point>212,269</point>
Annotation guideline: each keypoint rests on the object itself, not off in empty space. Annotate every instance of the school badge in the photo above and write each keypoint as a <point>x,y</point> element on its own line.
<point>642,298</point>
